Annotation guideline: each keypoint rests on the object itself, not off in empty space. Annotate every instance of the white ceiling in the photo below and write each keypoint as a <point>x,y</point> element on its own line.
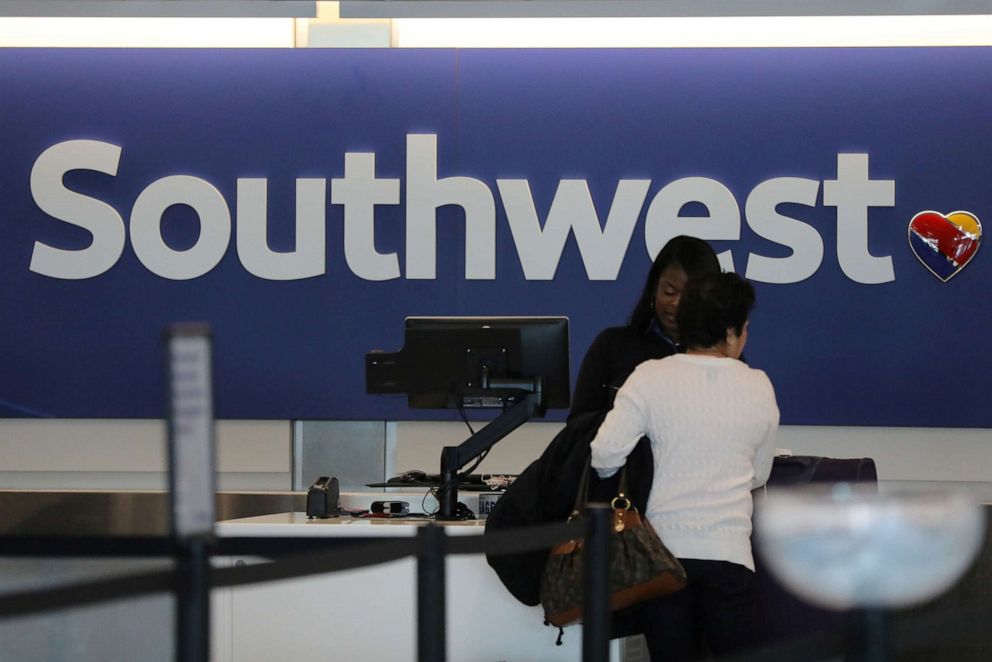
<point>161,8</point>
<point>620,8</point>
<point>491,8</point>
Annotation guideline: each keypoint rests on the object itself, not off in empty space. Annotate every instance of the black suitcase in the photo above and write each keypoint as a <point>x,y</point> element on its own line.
<point>800,469</point>
<point>781,615</point>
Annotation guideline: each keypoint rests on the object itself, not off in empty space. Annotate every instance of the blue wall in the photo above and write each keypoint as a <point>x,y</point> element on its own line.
<point>868,337</point>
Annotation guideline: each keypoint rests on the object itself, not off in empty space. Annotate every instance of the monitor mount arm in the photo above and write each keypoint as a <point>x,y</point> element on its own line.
<point>528,399</point>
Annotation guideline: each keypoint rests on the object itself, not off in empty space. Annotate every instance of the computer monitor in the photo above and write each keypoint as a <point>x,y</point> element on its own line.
<point>475,362</point>
<point>517,364</point>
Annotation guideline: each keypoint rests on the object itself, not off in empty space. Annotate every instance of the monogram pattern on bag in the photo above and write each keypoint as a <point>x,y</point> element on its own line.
<point>641,567</point>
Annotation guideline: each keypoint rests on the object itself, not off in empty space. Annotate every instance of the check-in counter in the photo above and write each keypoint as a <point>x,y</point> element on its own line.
<point>370,614</point>
<point>366,614</point>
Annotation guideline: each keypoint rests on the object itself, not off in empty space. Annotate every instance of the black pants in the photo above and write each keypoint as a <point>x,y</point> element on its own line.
<point>715,614</point>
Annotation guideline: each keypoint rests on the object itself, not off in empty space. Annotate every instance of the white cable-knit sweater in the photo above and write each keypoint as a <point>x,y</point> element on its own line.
<point>712,424</point>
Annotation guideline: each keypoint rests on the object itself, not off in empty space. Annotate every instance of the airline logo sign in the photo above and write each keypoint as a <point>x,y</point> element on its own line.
<point>944,244</point>
<point>304,202</point>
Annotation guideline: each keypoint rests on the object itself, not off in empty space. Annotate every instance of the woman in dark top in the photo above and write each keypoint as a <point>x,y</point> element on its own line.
<point>651,333</point>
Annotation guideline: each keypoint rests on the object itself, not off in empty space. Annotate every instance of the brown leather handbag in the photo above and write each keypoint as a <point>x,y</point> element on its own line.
<point>641,567</point>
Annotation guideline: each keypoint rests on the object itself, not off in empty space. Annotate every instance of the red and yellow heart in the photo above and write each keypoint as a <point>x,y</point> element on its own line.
<point>945,243</point>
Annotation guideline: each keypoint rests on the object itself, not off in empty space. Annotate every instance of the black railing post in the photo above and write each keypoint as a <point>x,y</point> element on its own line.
<point>596,603</point>
<point>431,588</point>
<point>192,491</point>
<point>872,636</point>
<point>193,601</point>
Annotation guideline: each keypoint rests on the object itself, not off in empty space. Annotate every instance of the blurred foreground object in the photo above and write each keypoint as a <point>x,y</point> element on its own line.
<point>842,548</point>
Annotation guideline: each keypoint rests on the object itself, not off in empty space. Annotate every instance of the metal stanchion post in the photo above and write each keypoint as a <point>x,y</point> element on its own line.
<point>191,483</point>
<point>595,606</point>
<point>873,630</point>
<point>431,588</point>
<point>193,601</point>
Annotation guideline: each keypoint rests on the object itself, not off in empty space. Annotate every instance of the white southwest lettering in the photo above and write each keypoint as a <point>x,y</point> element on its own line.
<point>307,259</point>
<point>96,217</point>
<point>146,227</point>
<point>603,246</point>
<point>425,193</point>
<point>359,192</point>
<point>852,193</point>
<point>763,217</point>
<point>572,209</point>
<point>664,220</point>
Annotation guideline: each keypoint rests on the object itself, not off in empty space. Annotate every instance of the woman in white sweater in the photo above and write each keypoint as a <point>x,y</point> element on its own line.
<point>712,422</point>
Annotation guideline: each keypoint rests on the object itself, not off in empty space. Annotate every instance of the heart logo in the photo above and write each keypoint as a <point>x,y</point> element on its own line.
<point>945,244</point>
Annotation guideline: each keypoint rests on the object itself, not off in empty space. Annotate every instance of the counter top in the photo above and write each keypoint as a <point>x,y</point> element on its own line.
<point>371,612</point>
<point>296,524</point>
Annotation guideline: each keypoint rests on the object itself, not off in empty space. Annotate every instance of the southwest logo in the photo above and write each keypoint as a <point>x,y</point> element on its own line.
<point>945,243</point>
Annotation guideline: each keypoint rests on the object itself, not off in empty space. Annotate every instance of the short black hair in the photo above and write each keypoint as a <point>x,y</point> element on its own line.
<point>710,305</point>
<point>692,254</point>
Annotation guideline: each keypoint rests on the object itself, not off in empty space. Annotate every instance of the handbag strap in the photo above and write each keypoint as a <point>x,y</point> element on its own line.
<point>582,496</point>
<point>621,501</point>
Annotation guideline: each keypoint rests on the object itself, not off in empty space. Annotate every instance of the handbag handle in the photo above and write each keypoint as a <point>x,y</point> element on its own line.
<point>621,497</point>
<point>621,501</point>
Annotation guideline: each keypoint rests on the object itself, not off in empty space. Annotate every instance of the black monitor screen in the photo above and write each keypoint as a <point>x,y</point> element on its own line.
<point>448,362</point>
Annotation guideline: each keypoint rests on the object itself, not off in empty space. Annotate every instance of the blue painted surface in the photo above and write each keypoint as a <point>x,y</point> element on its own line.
<point>906,352</point>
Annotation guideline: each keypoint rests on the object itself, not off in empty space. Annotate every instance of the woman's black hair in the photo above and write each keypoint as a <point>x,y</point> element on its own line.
<point>710,305</point>
<point>693,255</point>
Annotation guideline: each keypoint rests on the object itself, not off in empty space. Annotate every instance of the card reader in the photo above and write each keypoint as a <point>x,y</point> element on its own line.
<point>390,507</point>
